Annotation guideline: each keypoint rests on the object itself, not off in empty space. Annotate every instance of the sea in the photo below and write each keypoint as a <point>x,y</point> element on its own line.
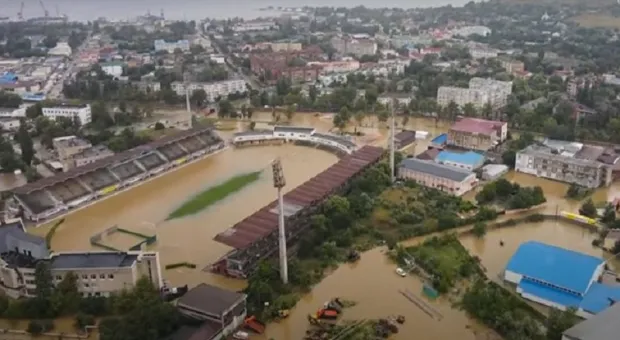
<point>86,10</point>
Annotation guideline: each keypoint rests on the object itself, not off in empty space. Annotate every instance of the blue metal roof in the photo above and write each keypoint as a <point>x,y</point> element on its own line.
<point>549,293</point>
<point>598,297</point>
<point>557,266</point>
<point>441,139</point>
<point>469,157</point>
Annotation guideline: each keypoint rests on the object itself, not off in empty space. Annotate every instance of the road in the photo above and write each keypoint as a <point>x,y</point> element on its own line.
<point>70,70</point>
<point>233,69</point>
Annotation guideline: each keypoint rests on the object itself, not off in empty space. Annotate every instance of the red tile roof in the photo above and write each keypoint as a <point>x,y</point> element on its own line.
<point>477,125</point>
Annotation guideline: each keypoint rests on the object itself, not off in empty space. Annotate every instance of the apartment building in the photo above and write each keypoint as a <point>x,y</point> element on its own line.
<point>571,162</point>
<point>170,47</point>
<point>254,26</point>
<point>356,47</point>
<point>446,178</point>
<point>344,66</point>
<point>99,273</point>
<point>273,66</point>
<point>477,134</point>
<point>512,66</point>
<point>81,112</point>
<point>480,92</point>
<point>285,46</point>
<point>67,146</point>
<point>213,90</point>
<point>113,68</point>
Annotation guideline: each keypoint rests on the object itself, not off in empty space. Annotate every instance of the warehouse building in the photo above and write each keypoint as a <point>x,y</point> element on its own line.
<point>446,178</point>
<point>560,278</point>
<point>463,160</point>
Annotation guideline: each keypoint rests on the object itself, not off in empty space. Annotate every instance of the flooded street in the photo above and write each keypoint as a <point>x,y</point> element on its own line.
<point>371,282</point>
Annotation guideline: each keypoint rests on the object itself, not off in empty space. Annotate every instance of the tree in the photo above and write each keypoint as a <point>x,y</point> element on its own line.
<point>199,97</point>
<point>25,143</point>
<point>451,110</point>
<point>479,229</point>
<point>560,321</point>
<point>609,215</point>
<point>289,112</point>
<point>487,111</point>
<point>588,209</point>
<point>341,119</point>
<point>159,126</point>
<point>469,110</point>
<point>225,108</point>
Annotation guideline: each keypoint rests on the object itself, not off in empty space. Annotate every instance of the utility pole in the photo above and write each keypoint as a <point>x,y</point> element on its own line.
<point>392,135</point>
<point>279,182</point>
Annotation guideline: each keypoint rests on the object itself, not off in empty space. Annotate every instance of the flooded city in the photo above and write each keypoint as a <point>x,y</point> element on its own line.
<point>371,282</point>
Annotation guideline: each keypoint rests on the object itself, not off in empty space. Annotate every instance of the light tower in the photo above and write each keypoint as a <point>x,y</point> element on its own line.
<point>187,103</point>
<point>279,182</point>
<point>392,136</point>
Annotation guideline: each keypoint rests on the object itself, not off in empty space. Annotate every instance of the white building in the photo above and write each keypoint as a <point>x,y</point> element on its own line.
<point>337,66</point>
<point>114,69</point>
<point>170,47</point>
<point>61,49</point>
<point>254,26</point>
<point>483,53</point>
<point>13,113</point>
<point>471,30</point>
<point>9,123</point>
<point>82,112</point>
<point>213,90</point>
<point>356,47</point>
<point>480,92</point>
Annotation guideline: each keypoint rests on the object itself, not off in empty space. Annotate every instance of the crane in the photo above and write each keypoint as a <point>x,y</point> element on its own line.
<point>47,13</point>
<point>20,14</point>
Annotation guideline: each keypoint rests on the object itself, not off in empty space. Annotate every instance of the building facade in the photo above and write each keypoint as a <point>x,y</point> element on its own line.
<point>98,273</point>
<point>463,160</point>
<point>442,177</point>
<point>481,91</point>
<point>87,156</point>
<point>81,112</point>
<point>561,164</point>
<point>213,90</point>
<point>356,47</point>
<point>477,134</point>
<point>170,47</point>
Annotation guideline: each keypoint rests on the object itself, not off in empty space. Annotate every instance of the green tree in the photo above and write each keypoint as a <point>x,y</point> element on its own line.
<point>25,143</point>
<point>289,112</point>
<point>609,215</point>
<point>588,209</point>
<point>225,108</point>
<point>199,97</point>
<point>469,110</point>
<point>479,229</point>
<point>560,321</point>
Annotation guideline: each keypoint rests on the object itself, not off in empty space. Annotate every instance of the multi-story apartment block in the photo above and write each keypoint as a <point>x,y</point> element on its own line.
<point>81,112</point>
<point>433,175</point>
<point>356,47</point>
<point>162,45</point>
<point>273,66</point>
<point>584,165</point>
<point>98,273</point>
<point>213,90</point>
<point>254,26</point>
<point>477,134</point>
<point>480,92</point>
<point>512,65</point>
<point>328,67</point>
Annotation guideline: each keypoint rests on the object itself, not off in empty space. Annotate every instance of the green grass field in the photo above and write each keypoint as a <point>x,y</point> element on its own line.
<point>214,194</point>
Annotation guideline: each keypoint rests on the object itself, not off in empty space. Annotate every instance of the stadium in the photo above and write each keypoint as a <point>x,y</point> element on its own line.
<point>59,194</point>
<point>256,237</point>
<point>298,135</point>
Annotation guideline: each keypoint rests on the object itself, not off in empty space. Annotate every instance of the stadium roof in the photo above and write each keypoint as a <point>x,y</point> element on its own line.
<point>102,163</point>
<point>470,158</point>
<point>603,326</point>
<point>556,266</point>
<point>556,296</point>
<point>264,221</point>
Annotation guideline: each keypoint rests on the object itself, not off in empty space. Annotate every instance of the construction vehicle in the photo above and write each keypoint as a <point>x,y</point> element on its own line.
<point>253,324</point>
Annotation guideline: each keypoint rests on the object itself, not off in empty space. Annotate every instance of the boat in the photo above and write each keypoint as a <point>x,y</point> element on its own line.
<point>401,272</point>
<point>241,335</point>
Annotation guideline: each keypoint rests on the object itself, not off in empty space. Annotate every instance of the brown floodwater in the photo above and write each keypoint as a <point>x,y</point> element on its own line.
<point>371,282</point>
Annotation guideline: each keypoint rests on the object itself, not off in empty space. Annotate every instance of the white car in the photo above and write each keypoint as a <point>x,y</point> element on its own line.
<point>401,272</point>
<point>241,335</point>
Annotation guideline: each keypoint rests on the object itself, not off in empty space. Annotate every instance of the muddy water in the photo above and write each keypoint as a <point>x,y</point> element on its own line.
<point>371,282</point>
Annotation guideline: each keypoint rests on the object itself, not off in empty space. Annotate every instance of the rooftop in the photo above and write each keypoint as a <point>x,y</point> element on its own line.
<point>469,157</point>
<point>294,129</point>
<point>556,154</point>
<point>16,230</point>
<point>69,141</point>
<point>599,297</point>
<point>97,150</point>
<point>557,266</point>
<point>92,260</point>
<point>603,326</point>
<point>210,299</point>
<point>441,139</point>
<point>434,169</point>
<point>477,125</point>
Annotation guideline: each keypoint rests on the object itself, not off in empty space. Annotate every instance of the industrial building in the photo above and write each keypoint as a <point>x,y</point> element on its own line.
<point>81,112</point>
<point>99,273</point>
<point>586,165</point>
<point>560,278</point>
<point>256,237</point>
<point>56,195</point>
<point>468,160</point>
<point>477,134</point>
<point>214,90</point>
<point>446,178</point>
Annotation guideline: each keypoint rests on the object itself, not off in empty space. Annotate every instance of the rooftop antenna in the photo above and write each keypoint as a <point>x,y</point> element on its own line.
<point>392,136</point>
<point>279,182</point>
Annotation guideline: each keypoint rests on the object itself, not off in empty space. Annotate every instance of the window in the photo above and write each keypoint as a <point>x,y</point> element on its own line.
<point>111,276</point>
<point>58,277</point>
<point>97,294</point>
<point>86,285</point>
<point>85,277</point>
<point>102,276</point>
<point>93,276</point>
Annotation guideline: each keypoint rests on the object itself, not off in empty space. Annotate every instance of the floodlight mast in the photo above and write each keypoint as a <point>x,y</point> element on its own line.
<point>279,182</point>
